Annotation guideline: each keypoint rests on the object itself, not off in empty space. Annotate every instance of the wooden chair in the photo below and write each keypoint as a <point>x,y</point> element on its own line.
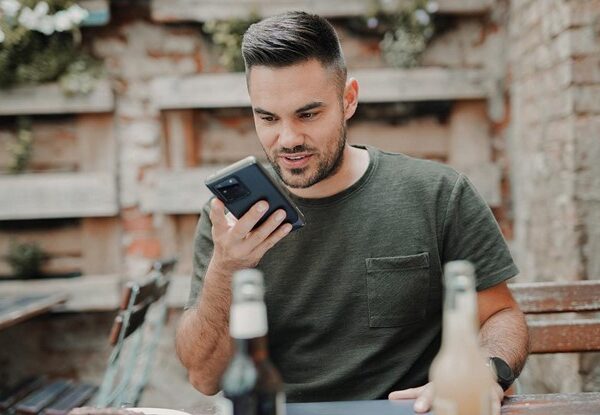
<point>134,338</point>
<point>554,333</point>
<point>128,367</point>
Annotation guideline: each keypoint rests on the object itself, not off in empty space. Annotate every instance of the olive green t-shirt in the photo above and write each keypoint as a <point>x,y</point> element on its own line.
<point>355,297</point>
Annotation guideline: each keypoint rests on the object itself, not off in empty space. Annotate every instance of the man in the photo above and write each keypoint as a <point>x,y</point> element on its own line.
<point>355,297</point>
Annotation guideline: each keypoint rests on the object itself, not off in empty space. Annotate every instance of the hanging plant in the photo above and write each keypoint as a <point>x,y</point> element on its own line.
<point>227,36</point>
<point>21,149</point>
<point>406,27</point>
<point>40,42</point>
<point>25,259</point>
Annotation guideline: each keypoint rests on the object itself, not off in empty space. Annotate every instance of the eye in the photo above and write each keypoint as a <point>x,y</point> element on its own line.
<point>268,118</point>
<point>308,115</point>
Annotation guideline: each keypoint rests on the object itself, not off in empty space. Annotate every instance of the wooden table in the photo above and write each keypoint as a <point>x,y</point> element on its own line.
<point>17,308</point>
<point>555,404</point>
<point>543,404</point>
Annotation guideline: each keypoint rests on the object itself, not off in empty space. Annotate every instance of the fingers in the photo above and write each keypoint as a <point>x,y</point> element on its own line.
<point>412,393</point>
<point>245,224</point>
<point>422,394</point>
<point>237,244</point>
<point>217,214</point>
<point>273,238</point>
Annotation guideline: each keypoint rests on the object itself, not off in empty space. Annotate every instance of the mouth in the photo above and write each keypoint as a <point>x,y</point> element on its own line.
<point>295,161</point>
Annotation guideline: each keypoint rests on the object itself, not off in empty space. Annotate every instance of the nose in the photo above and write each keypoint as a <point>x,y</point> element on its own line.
<point>290,135</point>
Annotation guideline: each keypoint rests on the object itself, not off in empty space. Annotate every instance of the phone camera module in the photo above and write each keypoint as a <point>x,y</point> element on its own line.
<point>231,189</point>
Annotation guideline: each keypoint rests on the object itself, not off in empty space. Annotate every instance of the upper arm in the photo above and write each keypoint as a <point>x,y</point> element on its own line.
<point>493,300</point>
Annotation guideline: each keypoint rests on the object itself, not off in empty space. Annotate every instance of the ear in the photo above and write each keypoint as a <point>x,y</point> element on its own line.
<point>350,98</point>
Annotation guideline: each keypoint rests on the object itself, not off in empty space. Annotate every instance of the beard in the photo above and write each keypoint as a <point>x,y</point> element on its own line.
<point>328,162</point>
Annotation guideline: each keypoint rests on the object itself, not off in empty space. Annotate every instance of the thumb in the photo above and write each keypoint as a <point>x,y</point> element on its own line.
<point>424,401</point>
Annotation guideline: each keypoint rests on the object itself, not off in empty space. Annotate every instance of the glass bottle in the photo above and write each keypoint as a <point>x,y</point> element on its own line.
<point>251,382</point>
<point>462,382</point>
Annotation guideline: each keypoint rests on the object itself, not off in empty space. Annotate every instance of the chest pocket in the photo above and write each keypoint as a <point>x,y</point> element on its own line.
<point>397,289</point>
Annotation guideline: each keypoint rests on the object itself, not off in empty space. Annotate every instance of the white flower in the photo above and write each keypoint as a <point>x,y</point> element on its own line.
<point>46,25</point>
<point>41,9</point>
<point>10,7</point>
<point>37,19</point>
<point>2,36</point>
<point>77,14</point>
<point>62,21</point>
<point>422,17</point>
<point>432,7</point>
<point>28,18</point>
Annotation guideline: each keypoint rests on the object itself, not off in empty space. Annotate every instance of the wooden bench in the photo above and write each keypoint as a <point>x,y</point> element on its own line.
<point>559,331</point>
<point>121,384</point>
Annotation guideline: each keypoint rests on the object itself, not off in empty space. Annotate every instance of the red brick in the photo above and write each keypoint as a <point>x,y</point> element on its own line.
<point>148,247</point>
<point>135,221</point>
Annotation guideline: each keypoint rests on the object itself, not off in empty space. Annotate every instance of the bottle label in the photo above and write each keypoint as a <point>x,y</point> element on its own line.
<point>223,406</point>
<point>443,406</point>
<point>248,320</point>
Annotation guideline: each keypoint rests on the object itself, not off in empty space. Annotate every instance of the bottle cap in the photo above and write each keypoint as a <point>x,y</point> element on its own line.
<point>459,273</point>
<point>248,285</point>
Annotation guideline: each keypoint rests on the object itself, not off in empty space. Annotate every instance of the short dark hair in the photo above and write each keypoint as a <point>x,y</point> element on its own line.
<point>291,38</point>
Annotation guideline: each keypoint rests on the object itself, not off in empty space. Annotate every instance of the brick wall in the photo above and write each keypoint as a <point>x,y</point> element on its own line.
<point>554,150</point>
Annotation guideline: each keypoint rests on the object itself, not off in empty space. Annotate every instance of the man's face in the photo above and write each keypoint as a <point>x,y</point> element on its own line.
<point>300,121</point>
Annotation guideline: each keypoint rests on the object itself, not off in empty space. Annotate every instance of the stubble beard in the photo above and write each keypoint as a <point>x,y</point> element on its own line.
<point>328,165</point>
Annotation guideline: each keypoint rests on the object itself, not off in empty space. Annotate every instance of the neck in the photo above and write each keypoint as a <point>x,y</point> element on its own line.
<point>354,165</point>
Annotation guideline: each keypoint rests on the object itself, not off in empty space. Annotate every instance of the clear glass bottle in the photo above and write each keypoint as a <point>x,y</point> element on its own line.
<point>251,382</point>
<point>463,383</point>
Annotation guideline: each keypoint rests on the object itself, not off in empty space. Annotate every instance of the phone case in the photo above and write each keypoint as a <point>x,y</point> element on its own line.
<point>244,183</point>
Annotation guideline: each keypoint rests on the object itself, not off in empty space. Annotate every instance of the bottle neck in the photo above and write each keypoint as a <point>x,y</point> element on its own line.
<point>259,349</point>
<point>460,315</point>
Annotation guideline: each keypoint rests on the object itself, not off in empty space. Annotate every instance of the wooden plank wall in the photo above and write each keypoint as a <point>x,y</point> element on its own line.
<point>79,151</point>
<point>200,141</point>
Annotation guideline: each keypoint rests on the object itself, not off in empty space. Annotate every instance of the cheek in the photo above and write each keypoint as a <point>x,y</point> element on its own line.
<point>266,136</point>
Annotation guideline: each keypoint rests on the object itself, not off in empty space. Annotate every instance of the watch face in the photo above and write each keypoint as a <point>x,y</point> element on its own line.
<point>503,371</point>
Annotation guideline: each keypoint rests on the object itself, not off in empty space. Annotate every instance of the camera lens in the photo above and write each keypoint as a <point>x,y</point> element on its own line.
<point>231,189</point>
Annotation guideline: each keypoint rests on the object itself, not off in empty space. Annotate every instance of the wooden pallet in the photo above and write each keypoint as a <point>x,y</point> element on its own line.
<point>202,10</point>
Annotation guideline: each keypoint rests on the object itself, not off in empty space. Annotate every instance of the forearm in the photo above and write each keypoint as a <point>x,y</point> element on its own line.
<point>505,334</point>
<point>203,342</point>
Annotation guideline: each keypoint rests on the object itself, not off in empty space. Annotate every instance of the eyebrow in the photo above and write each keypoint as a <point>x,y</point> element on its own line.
<point>307,107</point>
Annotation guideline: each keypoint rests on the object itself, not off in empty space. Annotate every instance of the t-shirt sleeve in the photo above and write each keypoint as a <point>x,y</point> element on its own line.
<point>471,232</point>
<point>203,250</point>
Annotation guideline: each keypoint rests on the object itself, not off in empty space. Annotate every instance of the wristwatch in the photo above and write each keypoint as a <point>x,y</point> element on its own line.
<point>504,374</point>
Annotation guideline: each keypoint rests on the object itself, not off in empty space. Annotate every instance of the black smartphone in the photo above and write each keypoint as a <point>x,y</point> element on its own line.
<point>242,184</point>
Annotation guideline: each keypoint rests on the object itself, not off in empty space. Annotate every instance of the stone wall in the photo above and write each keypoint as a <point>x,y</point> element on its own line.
<point>554,152</point>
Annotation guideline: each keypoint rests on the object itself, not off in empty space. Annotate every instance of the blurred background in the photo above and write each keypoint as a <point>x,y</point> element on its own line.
<point>112,113</point>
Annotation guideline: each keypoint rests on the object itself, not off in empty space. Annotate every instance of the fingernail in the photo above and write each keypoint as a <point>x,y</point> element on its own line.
<point>287,228</point>
<point>262,207</point>
<point>280,216</point>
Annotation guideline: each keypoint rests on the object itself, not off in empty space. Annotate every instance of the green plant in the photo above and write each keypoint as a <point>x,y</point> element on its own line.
<point>21,150</point>
<point>25,259</point>
<point>406,27</point>
<point>227,35</point>
<point>40,42</point>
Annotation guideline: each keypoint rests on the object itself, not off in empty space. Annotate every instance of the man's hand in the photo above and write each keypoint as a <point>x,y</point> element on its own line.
<point>237,246</point>
<point>424,397</point>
